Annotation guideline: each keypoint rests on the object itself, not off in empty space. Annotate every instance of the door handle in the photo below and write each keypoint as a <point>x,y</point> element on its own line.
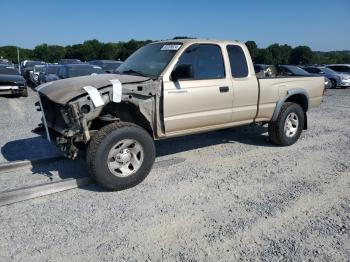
<point>223,89</point>
<point>177,91</point>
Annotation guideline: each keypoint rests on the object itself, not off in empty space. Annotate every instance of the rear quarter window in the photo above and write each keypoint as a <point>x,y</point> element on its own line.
<point>238,61</point>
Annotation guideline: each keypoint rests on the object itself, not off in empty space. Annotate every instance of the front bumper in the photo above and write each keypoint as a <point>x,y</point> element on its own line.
<point>11,90</point>
<point>60,127</point>
<point>344,82</point>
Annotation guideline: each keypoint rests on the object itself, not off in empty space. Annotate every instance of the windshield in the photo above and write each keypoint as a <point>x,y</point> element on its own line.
<point>40,69</point>
<point>150,60</point>
<point>83,71</point>
<point>33,63</point>
<point>69,61</point>
<point>328,71</point>
<point>298,71</point>
<point>8,71</point>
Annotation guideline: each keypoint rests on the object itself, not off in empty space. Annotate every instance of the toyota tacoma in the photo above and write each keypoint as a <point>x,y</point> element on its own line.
<point>167,89</point>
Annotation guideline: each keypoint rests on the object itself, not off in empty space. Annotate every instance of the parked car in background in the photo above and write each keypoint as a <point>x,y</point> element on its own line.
<point>50,74</point>
<point>327,83</point>
<point>6,65</point>
<point>34,75</point>
<point>336,79</point>
<point>340,68</point>
<point>27,66</point>
<point>74,70</point>
<point>262,70</point>
<point>109,66</point>
<point>69,61</point>
<point>292,70</point>
<point>5,62</point>
<point>11,82</point>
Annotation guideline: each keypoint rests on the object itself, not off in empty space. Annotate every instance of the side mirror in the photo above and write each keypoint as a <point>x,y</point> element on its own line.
<point>182,72</point>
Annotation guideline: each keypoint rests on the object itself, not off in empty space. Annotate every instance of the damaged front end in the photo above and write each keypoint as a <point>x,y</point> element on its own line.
<point>65,126</point>
<point>71,124</point>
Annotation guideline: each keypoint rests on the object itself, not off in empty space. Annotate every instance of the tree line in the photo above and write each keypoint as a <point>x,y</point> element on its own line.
<point>277,54</point>
<point>89,50</point>
<point>94,49</point>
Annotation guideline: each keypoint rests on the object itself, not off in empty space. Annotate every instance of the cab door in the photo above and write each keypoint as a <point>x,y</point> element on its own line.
<point>205,99</point>
<point>244,85</point>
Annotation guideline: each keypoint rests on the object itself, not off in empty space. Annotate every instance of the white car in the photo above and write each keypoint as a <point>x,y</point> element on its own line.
<point>340,68</point>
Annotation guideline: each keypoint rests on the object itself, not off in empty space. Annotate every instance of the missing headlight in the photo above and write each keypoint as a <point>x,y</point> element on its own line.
<point>85,109</point>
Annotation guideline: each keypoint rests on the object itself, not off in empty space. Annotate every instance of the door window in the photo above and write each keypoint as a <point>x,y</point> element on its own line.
<point>206,60</point>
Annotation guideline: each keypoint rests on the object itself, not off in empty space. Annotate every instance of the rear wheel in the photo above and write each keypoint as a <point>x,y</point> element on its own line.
<point>287,129</point>
<point>120,155</point>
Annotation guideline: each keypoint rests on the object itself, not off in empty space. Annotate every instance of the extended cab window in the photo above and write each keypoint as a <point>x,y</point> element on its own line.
<point>238,61</point>
<point>206,60</point>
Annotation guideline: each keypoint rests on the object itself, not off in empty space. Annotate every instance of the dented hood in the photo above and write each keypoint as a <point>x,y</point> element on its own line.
<point>62,91</point>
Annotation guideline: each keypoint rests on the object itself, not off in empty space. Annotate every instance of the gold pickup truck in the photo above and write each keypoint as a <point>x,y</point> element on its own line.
<point>167,89</point>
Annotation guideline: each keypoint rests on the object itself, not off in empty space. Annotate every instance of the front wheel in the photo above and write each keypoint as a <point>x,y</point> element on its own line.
<point>287,129</point>
<point>120,155</point>
<point>333,84</point>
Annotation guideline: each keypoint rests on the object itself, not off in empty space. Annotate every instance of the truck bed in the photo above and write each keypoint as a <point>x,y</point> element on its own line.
<point>271,89</point>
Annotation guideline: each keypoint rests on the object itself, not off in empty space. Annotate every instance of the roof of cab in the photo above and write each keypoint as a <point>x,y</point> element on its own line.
<point>198,40</point>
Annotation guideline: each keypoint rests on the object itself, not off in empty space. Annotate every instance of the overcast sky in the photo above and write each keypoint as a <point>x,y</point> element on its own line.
<point>323,25</point>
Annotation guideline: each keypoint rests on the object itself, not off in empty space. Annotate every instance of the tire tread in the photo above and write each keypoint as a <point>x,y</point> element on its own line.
<point>95,142</point>
<point>273,127</point>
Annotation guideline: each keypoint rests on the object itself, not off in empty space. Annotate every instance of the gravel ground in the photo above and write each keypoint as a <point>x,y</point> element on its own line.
<point>235,197</point>
<point>18,117</point>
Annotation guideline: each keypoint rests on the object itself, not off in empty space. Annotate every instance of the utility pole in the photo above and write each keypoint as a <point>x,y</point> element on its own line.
<point>19,65</point>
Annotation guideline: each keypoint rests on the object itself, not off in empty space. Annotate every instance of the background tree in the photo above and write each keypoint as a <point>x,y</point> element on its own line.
<point>301,55</point>
<point>280,53</point>
<point>94,49</point>
<point>253,49</point>
<point>10,52</point>
<point>264,56</point>
<point>49,53</point>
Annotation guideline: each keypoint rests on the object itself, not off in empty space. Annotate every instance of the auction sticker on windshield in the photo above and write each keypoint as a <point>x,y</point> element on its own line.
<point>170,47</point>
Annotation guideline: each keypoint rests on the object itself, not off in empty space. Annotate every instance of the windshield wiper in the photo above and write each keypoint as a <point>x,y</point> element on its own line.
<point>131,71</point>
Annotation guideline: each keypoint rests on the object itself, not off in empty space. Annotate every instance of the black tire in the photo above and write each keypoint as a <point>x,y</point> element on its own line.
<point>333,84</point>
<point>276,130</point>
<point>100,146</point>
<point>25,92</point>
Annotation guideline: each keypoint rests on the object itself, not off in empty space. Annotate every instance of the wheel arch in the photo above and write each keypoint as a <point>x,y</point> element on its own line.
<point>296,95</point>
<point>129,112</point>
<point>335,81</point>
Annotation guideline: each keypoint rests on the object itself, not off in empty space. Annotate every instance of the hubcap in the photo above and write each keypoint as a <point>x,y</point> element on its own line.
<point>291,125</point>
<point>125,158</point>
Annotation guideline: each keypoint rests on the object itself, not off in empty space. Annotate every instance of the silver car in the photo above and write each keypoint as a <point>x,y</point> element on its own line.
<point>336,79</point>
<point>340,68</point>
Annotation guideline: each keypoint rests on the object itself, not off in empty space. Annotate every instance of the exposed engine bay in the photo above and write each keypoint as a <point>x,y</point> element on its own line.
<point>73,109</point>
